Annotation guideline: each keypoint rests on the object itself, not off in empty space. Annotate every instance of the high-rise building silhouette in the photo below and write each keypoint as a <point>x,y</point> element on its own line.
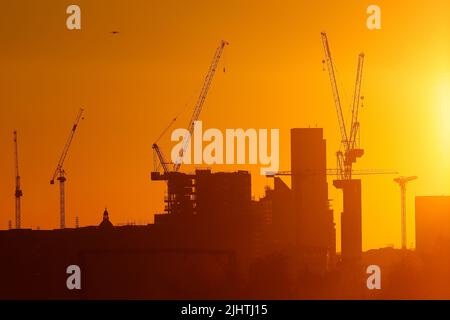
<point>313,217</point>
<point>433,225</point>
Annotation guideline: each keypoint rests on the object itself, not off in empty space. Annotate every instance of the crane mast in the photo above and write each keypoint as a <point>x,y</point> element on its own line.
<point>59,173</point>
<point>402,181</point>
<point>18,191</point>
<point>200,102</point>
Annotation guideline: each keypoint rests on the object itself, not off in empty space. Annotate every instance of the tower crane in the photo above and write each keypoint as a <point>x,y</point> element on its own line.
<point>402,181</point>
<point>18,192</point>
<point>349,140</point>
<point>159,159</point>
<point>200,102</point>
<point>158,155</point>
<point>349,151</point>
<point>60,174</point>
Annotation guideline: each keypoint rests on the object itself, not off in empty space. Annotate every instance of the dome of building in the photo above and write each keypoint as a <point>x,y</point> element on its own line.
<point>106,224</point>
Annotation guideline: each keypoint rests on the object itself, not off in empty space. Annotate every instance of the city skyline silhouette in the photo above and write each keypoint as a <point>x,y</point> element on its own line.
<point>310,229</point>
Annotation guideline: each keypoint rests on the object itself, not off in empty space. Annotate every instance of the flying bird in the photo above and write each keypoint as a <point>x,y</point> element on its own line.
<point>114,32</point>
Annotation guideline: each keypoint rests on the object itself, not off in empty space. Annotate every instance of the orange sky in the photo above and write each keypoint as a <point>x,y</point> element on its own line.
<point>131,85</point>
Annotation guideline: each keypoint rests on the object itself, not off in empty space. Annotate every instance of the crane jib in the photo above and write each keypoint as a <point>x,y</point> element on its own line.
<point>200,102</point>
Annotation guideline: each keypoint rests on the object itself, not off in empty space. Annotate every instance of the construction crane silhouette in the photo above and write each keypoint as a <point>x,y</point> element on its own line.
<point>60,174</point>
<point>159,160</point>
<point>200,102</point>
<point>18,192</point>
<point>349,140</point>
<point>158,155</point>
<point>402,181</point>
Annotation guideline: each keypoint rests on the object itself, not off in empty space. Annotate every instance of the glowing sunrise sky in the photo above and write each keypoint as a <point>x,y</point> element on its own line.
<point>133,83</point>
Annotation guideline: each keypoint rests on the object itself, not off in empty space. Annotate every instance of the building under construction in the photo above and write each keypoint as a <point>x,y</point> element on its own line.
<point>301,217</point>
<point>202,192</point>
